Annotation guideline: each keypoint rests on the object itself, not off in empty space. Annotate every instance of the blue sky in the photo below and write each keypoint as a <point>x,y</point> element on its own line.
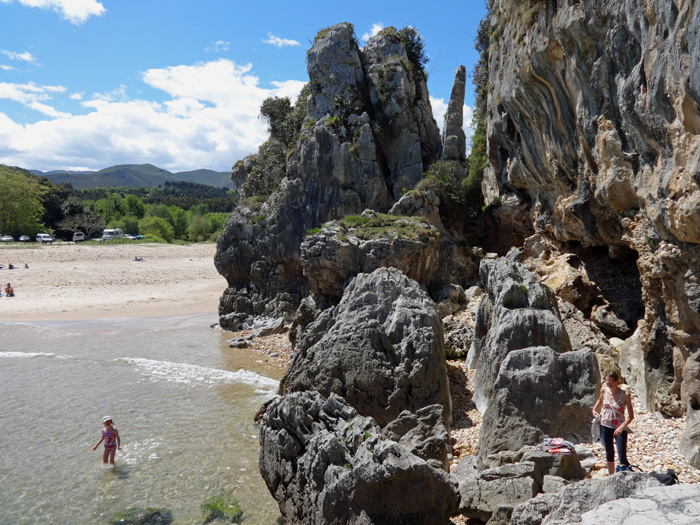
<point>86,84</point>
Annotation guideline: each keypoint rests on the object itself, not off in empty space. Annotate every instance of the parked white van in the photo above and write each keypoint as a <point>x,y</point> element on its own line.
<point>115,233</point>
<point>78,237</point>
<point>44,238</point>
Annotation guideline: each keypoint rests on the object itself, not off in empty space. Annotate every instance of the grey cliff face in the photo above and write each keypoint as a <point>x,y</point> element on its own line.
<point>594,140</point>
<point>368,137</point>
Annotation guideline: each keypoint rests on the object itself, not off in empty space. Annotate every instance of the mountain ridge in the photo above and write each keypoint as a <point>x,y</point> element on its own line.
<point>134,175</point>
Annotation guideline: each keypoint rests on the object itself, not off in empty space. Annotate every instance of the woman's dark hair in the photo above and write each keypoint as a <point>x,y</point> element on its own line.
<point>613,375</point>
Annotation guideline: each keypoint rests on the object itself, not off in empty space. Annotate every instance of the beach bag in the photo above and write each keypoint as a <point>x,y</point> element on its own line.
<point>666,478</point>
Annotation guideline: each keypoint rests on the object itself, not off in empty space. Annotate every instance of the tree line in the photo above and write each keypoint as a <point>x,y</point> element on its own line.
<point>179,210</point>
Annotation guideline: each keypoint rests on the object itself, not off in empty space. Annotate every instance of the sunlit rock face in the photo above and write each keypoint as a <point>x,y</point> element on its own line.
<point>367,138</point>
<point>594,144</point>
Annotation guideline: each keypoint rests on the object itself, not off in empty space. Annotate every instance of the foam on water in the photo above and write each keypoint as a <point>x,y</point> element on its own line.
<point>188,374</point>
<point>25,355</point>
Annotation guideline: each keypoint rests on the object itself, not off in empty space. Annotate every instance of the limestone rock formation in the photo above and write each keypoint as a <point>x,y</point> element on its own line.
<point>325,463</point>
<point>418,245</point>
<point>454,142</point>
<point>380,348</point>
<point>361,244</point>
<point>650,506</point>
<point>568,505</point>
<point>368,137</point>
<point>540,393</point>
<point>594,142</point>
<point>516,312</point>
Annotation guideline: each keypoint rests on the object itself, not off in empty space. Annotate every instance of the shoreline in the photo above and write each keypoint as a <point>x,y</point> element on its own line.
<point>71,282</point>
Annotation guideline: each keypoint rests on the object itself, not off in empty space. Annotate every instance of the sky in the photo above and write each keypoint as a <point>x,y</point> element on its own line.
<point>88,84</point>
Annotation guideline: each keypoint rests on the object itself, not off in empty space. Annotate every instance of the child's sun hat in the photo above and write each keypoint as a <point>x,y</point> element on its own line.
<point>106,418</point>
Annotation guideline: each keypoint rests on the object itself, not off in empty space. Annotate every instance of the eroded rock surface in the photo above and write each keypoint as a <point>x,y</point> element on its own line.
<point>325,463</point>
<point>380,348</point>
<point>594,142</point>
<point>515,312</point>
<point>368,137</point>
<point>567,505</point>
<point>540,393</point>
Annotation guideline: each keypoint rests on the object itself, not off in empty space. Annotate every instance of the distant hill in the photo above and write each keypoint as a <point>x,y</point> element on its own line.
<point>135,175</point>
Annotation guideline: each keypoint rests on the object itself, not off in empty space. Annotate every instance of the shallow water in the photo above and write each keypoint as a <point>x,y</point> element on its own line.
<point>183,403</point>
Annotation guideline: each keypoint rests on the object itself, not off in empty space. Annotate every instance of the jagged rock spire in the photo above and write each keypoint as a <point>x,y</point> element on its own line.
<point>454,141</point>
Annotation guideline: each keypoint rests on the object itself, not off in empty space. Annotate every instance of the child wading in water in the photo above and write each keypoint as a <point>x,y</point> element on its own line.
<point>110,436</point>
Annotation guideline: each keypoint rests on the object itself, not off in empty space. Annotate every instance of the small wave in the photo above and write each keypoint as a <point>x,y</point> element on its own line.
<point>26,355</point>
<point>188,374</point>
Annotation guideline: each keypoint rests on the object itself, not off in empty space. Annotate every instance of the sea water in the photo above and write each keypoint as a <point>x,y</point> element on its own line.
<point>183,403</point>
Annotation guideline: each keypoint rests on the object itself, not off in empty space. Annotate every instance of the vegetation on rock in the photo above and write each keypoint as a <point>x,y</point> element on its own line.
<point>222,507</point>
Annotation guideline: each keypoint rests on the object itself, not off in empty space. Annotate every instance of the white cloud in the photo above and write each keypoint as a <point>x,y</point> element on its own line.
<point>376,28</point>
<point>32,96</point>
<point>218,46</point>
<point>77,96</point>
<point>440,108</point>
<point>24,57</point>
<point>7,68</point>
<point>75,11</point>
<point>209,121</point>
<point>280,42</point>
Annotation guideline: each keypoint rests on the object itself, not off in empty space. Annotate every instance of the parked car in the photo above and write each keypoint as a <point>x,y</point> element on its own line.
<point>7,238</point>
<point>130,237</point>
<point>24,238</point>
<point>44,238</point>
<point>114,233</point>
<point>78,237</point>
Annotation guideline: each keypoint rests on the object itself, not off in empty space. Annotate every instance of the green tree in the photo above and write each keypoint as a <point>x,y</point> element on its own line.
<point>180,222</point>
<point>156,226</point>
<point>128,224</point>
<point>135,206</point>
<point>199,228</point>
<point>20,202</point>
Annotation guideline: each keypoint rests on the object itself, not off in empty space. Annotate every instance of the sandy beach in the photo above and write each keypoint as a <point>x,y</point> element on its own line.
<point>76,281</point>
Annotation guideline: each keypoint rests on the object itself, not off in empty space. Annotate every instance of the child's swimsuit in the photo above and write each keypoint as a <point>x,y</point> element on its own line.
<point>109,437</point>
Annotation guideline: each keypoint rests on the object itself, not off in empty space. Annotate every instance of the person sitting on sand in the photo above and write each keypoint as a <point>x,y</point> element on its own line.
<point>9,291</point>
<point>138,259</point>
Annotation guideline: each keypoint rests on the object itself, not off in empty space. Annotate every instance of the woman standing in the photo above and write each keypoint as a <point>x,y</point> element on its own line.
<point>613,424</point>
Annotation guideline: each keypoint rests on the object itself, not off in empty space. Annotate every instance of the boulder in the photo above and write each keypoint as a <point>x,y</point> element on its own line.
<point>325,463</point>
<point>518,312</point>
<point>422,433</point>
<point>567,505</point>
<point>381,349</point>
<point>679,505</point>
<point>689,444</point>
<point>483,492</point>
<point>540,393</point>
<point>546,464</point>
